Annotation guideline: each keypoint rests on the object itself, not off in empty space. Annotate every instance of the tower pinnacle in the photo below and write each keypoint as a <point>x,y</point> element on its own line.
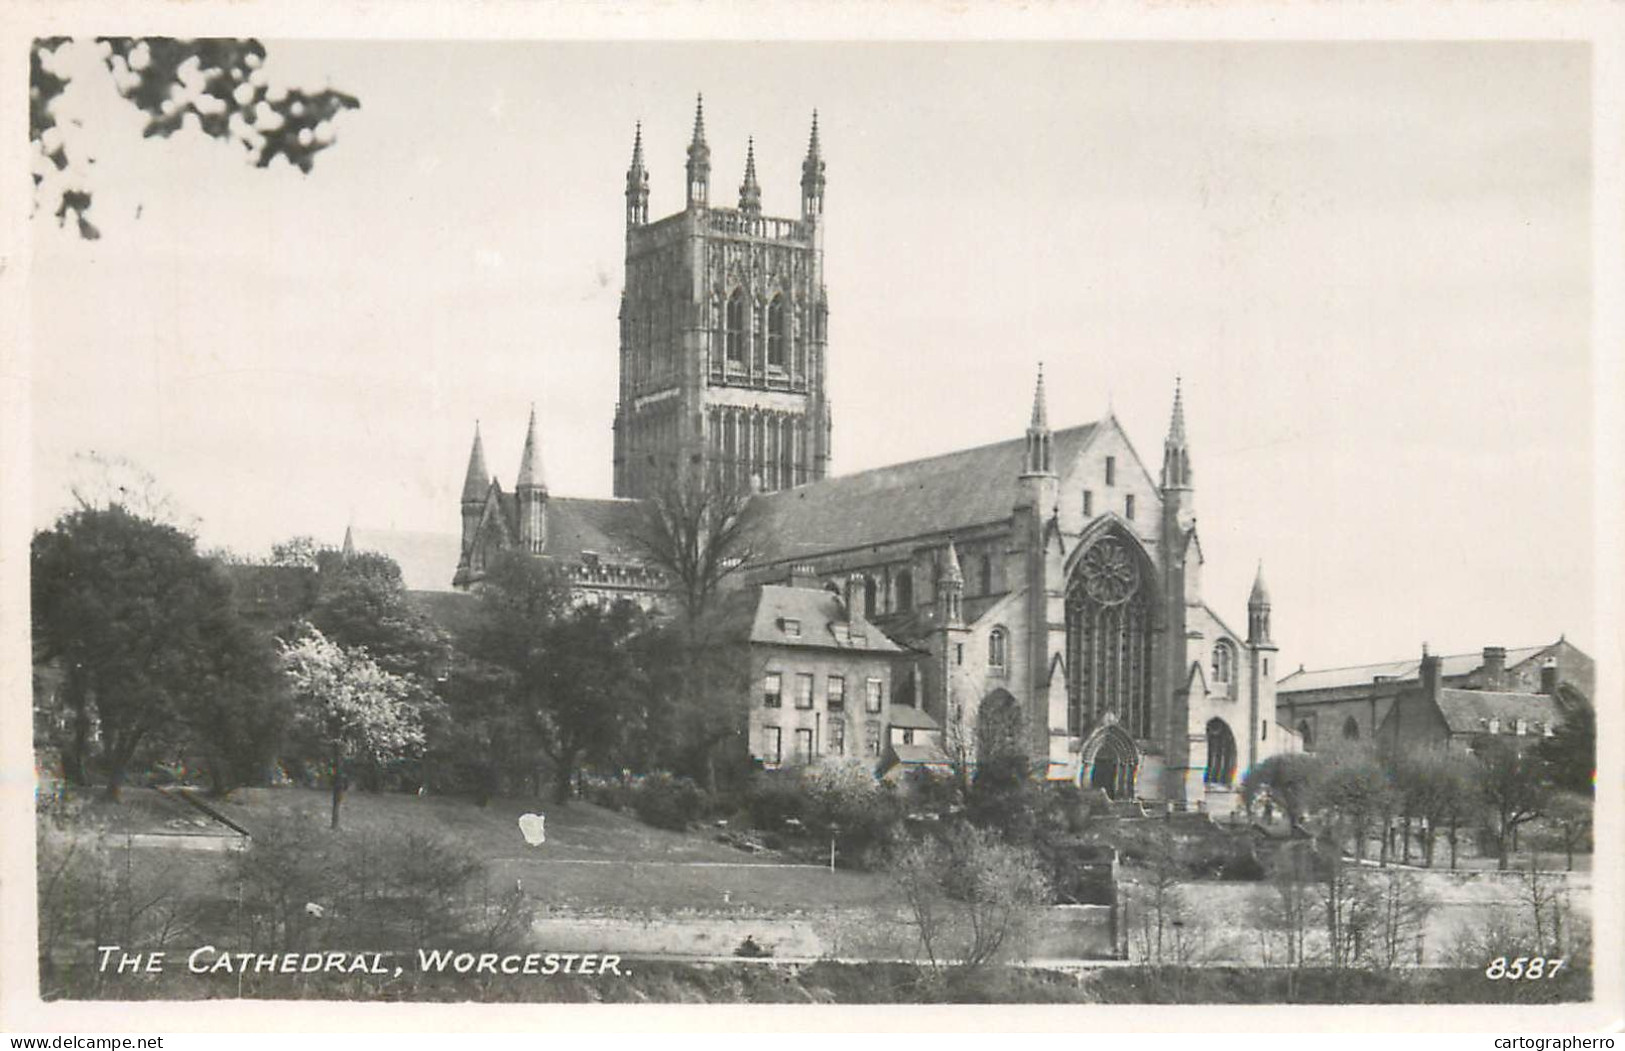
<point>1258,611</point>
<point>1176,457</point>
<point>1039,442</point>
<point>637,183</point>
<point>750,191</point>
<point>699,158</point>
<point>812,177</point>
<point>475,482</point>
<point>530,461</point>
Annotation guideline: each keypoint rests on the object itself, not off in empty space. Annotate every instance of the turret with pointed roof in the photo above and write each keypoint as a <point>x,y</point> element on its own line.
<point>1176,460</point>
<point>1258,610</point>
<point>750,191</point>
<point>951,587</point>
<point>699,159</point>
<point>812,176</point>
<point>1040,443</point>
<point>637,183</point>
<point>530,489</point>
<point>474,481</point>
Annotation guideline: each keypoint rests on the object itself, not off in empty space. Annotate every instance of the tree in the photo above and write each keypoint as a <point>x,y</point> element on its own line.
<point>1510,783</point>
<point>1570,754</point>
<point>971,897</point>
<point>218,86</point>
<point>146,633</point>
<point>1439,790</point>
<point>699,529</point>
<point>1354,798</point>
<point>572,674</point>
<point>1571,816</point>
<point>1286,781</point>
<point>348,707</point>
<point>361,602</point>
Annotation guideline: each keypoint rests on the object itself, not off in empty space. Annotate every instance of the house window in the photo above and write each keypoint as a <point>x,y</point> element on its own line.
<point>804,690</point>
<point>1111,470</point>
<point>772,747</point>
<point>1351,729</point>
<point>1495,726</point>
<point>836,692</point>
<point>1088,503</point>
<point>804,746</point>
<point>872,695</point>
<point>871,738</point>
<point>775,333</point>
<point>959,653</point>
<point>1521,728</point>
<point>1128,507</point>
<point>772,690</point>
<point>734,329</point>
<point>837,737</point>
<point>908,735</point>
<point>995,648</point>
<point>792,628</point>
<point>1223,662</point>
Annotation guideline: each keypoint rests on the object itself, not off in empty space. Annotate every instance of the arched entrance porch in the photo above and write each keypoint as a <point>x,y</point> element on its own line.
<point>1110,761</point>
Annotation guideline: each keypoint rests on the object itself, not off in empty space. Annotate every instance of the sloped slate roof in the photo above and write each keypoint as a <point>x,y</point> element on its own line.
<point>936,495</point>
<point>919,753</point>
<point>818,611</point>
<point>1410,668</point>
<point>908,718</point>
<point>605,527</point>
<point>1465,710</point>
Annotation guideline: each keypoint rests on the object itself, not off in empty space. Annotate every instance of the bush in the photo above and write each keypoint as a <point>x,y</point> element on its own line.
<point>665,801</point>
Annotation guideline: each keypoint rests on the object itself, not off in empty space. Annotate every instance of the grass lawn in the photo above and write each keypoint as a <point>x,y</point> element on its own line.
<point>593,859</point>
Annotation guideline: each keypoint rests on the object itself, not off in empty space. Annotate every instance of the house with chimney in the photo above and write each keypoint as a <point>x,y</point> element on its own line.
<point>1335,707</point>
<point>1431,714</point>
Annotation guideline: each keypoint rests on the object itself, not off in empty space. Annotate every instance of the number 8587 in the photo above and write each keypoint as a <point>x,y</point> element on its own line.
<point>1529,968</point>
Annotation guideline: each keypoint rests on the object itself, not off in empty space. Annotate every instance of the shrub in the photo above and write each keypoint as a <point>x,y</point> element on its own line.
<point>665,801</point>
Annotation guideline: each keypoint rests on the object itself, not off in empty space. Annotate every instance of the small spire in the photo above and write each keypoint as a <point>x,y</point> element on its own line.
<point>1261,593</point>
<point>951,571</point>
<point>699,120</point>
<point>1176,426</point>
<point>750,191</point>
<point>530,461</point>
<point>812,176</point>
<point>348,550</point>
<point>699,158</point>
<point>474,483</point>
<point>1040,408</point>
<point>637,183</point>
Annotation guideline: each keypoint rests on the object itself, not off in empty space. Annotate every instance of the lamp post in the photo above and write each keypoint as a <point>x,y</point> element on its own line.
<point>834,830</point>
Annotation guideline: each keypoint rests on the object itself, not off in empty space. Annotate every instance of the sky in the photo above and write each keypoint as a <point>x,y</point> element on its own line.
<point>1368,262</point>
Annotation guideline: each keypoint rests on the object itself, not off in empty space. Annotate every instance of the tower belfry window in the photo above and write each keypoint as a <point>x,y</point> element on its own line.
<point>776,333</point>
<point>734,329</point>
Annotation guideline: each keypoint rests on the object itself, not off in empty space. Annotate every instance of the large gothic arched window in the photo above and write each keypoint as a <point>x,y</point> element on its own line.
<point>1108,639</point>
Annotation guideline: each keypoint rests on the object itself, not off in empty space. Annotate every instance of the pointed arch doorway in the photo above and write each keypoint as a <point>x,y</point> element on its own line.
<point>1110,761</point>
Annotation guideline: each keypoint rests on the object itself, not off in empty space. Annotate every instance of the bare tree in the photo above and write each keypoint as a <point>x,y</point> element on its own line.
<point>700,529</point>
<point>1513,791</point>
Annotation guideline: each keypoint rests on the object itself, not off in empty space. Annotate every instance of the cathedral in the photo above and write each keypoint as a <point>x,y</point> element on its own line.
<point>1046,590</point>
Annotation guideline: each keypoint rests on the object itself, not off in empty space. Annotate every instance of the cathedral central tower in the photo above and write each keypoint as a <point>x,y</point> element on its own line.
<point>723,333</point>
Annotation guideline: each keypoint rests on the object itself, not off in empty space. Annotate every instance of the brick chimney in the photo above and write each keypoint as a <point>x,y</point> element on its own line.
<point>1494,671</point>
<point>1429,674</point>
<point>1548,676</point>
<point>854,595</point>
<point>802,576</point>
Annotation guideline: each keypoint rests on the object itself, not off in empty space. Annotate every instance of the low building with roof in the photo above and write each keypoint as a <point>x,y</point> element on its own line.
<point>1429,713</point>
<point>1333,706</point>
